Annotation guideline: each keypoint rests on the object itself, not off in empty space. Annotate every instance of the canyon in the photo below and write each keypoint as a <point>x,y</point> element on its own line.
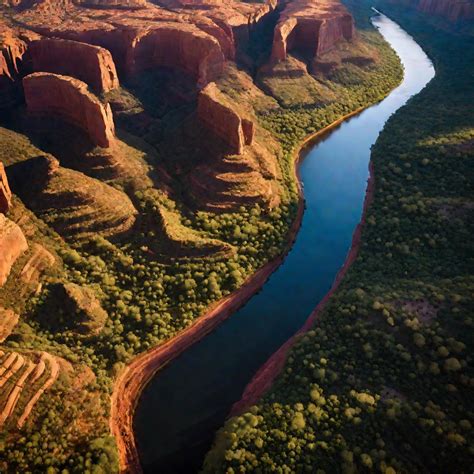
<point>150,186</point>
<point>91,64</point>
<point>47,93</point>
<point>311,27</point>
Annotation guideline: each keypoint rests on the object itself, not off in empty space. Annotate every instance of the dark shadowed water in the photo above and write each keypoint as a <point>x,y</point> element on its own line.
<point>186,402</point>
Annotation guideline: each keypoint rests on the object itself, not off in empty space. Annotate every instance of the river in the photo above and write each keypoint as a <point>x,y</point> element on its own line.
<point>187,401</point>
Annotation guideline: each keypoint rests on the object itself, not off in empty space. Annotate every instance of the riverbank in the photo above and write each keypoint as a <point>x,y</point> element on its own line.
<point>267,374</point>
<point>135,376</point>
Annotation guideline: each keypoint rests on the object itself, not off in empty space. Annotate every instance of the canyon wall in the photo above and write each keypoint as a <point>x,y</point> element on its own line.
<point>91,64</point>
<point>12,245</point>
<point>112,3</point>
<point>13,45</point>
<point>69,98</point>
<point>5,193</point>
<point>180,47</point>
<point>219,116</point>
<point>311,27</point>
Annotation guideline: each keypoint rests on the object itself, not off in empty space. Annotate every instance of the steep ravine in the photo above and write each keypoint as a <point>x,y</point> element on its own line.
<point>185,403</point>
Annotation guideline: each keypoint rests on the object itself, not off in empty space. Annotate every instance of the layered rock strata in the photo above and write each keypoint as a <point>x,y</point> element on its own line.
<point>5,193</point>
<point>70,99</point>
<point>312,27</point>
<point>82,205</point>
<point>91,64</point>
<point>12,245</point>
<point>13,45</point>
<point>219,116</point>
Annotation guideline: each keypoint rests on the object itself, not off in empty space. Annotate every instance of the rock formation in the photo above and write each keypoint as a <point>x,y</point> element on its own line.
<point>69,98</point>
<point>82,303</point>
<point>181,47</point>
<point>5,193</point>
<point>12,245</point>
<point>13,45</point>
<point>40,260</point>
<point>83,205</point>
<point>91,64</point>
<point>312,27</point>
<point>194,37</point>
<point>112,3</point>
<point>215,111</point>
<point>8,320</point>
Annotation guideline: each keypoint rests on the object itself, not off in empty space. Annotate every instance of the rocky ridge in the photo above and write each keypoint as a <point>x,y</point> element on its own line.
<point>53,94</point>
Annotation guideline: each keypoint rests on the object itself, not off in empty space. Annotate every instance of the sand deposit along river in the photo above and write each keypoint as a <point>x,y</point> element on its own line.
<point>186,402</point>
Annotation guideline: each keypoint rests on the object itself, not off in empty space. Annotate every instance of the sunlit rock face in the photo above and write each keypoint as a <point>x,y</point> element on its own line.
<point>91,64</point>
<point>12,246</point>
<point>312,27</point>
<point>221,118</point>
<point>5,193</point>
<point>13,46</point>
<point>70,99</point>
<point>181,47</point>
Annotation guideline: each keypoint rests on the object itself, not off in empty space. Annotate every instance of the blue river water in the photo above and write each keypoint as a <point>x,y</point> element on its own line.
<point>187,401</point>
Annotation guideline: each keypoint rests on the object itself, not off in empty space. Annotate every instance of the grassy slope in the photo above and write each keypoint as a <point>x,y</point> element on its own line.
<point>384,380</point>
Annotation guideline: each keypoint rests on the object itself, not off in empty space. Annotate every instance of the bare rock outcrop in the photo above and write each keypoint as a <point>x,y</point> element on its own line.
<point>8,320</point>
<point>82,303</point>
<point>183,47</point>
<point>82,205</point>
<point>70,99</point>
<point>5,193</point>
<point>133,4</point>
<point>40,260</point>
<point>311,27</point>
<point>12,245</point>
<point>218,114</point>
<point>13,45</point>
<point>91,64</point>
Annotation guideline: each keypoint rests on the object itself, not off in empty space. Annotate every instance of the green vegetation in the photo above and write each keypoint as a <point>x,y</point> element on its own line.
<point>156,280</point>
<point>383,382</point>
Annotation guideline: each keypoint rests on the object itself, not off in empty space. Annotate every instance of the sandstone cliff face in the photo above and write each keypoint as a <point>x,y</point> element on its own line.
<point>13,45</point>
<point>91,64</point>
<point>193,36</point>
<point>178,47</point>
<point>69,98</point>
<point>5,193</point>
<point>12,245</point>
<point>312,27</point>
<point>112,3</point>
<point>218,115</point>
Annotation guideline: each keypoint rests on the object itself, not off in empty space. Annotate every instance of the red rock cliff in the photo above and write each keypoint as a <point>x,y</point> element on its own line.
<point>113,3</point>
<point>13,45</point>
<point>69,98</point>
<point>92,64</point>
<point>182,47</point>
<point>12,245</point>
<point>311,26</point>
<point>5,193</point>
<point>219,116</point>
